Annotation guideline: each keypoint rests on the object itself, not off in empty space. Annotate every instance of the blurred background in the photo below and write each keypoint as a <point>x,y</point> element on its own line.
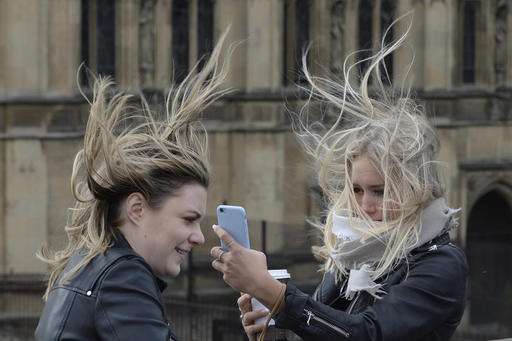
<point>462,74</point>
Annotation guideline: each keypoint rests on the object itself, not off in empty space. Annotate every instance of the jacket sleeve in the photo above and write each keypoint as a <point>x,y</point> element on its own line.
<point>432,293</point>
<point>128,305</point>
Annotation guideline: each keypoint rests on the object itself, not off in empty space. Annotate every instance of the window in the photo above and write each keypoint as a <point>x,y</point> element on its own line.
<point>105,37</point>
<point>180,37</point>
<point>500,62</point>
<point>296,35</point>
<point>205,13</point>
<point>469,41</point>
<point>98,36</point>
<point>387,10</point>
<point>368,38</point>
<point>365,28</point>
<point>84,39</point>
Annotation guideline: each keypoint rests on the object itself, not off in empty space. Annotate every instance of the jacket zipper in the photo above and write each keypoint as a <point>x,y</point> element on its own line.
<point>311,316</point>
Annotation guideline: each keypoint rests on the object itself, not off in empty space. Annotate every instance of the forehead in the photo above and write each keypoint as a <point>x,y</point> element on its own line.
<point>364,173</point>
<point>190,197</point>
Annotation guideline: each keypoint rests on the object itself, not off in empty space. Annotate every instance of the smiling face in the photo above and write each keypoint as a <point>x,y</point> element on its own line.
<point>368,187</point>
<point>165,235</point>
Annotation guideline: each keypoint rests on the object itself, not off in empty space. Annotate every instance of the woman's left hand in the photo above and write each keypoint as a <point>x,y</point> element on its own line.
<point>243,269</point>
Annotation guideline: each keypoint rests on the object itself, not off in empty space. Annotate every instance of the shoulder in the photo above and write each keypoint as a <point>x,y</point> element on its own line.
<point>128,273</point>
<point>442,255</point>
<point>442,268</point>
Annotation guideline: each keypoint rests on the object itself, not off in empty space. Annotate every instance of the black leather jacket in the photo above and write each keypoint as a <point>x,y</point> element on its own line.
<point>424,301</point>
<point>115,297</point>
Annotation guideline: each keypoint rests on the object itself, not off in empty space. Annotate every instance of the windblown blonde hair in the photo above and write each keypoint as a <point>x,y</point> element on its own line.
<point>393,132</point>
<point>128,148</point>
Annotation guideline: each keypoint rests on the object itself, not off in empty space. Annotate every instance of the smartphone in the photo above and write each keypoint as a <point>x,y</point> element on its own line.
<point>234,221</point>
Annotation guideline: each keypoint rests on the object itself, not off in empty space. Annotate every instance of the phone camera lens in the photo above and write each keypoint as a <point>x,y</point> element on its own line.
<point>221,210</point>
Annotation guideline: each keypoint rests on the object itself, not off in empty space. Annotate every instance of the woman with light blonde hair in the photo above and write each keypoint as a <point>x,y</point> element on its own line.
<point>140,184</point>
<point>390,270</point>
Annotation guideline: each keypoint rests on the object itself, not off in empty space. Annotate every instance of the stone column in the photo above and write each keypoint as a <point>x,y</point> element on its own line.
<point>64,45</point>
<point>414,44</point>
<point>24,35</point>
<point>338,36</point>
<point>127,43</point>
<point>351,26</point>
<point>3,232</point>
<point>485,41</point>
<point>163,43</point>
<point>3,48</point>
<point>264,44</point>
<point>147,43</point>
<point>319,33</point>
<point>192,33</point>
<point>26,202</point>
<point>232,14</point>
<point>24,71</point>
<point>440,17</point>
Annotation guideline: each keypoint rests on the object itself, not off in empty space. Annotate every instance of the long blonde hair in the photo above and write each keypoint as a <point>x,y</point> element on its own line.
<point>128,148</point>
<point>393,132</point>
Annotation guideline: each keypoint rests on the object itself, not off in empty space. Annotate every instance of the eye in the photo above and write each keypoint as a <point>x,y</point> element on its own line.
<point>379,192</point>
<point>357,190</point>
<point>190,220</point>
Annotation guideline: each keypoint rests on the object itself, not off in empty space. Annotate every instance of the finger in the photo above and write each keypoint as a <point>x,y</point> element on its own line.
<point>250,317</point>
<point>216,251</point>
<point>254,329</point>
<point>218,265</point>
<point>225,237</point>
<point>244,303</point>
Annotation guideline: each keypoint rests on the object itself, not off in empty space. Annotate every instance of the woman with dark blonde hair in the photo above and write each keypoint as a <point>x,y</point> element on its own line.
<point>390,270</point>
<point>140,184</point>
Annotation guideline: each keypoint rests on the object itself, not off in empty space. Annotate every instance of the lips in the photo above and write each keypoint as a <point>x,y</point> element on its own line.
<point>182,252</point>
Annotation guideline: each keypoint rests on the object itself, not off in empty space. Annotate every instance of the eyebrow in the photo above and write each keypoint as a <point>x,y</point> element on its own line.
<point>371,186</point>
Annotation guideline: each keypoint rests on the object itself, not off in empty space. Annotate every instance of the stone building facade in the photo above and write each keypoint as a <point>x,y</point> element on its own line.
<point>462,72</point>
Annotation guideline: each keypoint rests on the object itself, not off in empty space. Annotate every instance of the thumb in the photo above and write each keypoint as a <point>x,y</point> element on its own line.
<point>225,237</point>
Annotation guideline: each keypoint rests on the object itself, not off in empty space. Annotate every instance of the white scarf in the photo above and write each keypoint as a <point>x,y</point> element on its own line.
<point>359,255</point>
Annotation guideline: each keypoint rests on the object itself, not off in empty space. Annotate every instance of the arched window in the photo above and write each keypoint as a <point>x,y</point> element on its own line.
<point>365,29</point>
<point>296,35</point>
<point>489,253</point>
<point>470,10</point>
<point>180,39</point>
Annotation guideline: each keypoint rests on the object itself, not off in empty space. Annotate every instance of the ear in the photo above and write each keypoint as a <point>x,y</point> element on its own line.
<point>135,207</point>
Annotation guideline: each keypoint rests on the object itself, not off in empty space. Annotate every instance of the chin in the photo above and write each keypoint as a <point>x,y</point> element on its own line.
<point>174,271</point>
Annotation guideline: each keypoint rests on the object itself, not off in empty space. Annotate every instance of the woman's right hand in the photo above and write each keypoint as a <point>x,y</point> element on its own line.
<point>248,317</point>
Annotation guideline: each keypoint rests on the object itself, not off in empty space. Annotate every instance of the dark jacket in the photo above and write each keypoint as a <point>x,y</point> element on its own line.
<point>115,297</point>
<point>424,300</point>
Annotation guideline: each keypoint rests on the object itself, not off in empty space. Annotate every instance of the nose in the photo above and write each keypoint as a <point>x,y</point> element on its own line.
<point>368,204</point>
<point>197,236</point>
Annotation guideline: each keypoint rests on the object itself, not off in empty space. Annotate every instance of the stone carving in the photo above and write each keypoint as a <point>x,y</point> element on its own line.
<point>500,66</point>
<point>336,35</point>
<point>147,43</point>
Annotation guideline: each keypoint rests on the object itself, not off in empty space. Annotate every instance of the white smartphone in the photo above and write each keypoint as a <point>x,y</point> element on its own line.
<point>234,221</point>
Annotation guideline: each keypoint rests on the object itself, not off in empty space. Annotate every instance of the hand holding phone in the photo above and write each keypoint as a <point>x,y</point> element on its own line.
<point>233,220</point>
